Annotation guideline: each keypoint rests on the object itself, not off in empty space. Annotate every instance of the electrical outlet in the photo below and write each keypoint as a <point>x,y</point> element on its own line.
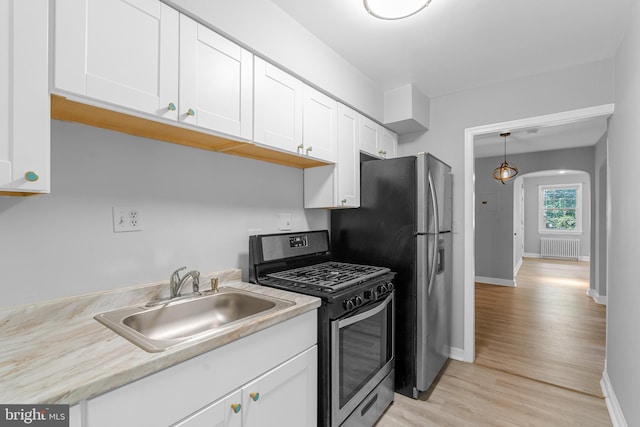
<point>126,219</point>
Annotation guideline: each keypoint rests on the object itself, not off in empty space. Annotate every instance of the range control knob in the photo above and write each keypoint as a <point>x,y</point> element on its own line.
<point>357,301</point>
<point>348,305</point>
<point>390,286</point>
<point>382,289</point>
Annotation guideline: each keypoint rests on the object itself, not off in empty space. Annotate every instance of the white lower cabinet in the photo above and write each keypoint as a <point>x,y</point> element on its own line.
<point>226,412</point>
<point>215,388</point>
<point>282,397</point>
<point>285,396</point>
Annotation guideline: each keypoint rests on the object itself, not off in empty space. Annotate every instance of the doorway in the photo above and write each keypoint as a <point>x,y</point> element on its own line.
<point>567,117</point>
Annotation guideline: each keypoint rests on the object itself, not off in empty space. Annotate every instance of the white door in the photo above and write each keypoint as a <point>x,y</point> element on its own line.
<point>24,96</point>
<point>320,115</point>
<point>285,396</point>
<point>369,136</point>
<point>278,103</point>
<point>216,81</point>
<point>123,52</point>
<point>348,157</point>
<point>226,412</point>
<point>388,144</point>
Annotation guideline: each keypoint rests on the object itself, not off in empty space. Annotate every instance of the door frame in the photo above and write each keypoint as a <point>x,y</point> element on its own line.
<point>565,117</point>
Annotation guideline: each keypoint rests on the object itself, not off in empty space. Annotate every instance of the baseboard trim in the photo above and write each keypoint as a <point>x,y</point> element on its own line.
<point>496,281</point>
<point>532,255</point>
<point>615,412</point>
<point>456,353</point>
<point>518,265</point>
<point>599,299</point>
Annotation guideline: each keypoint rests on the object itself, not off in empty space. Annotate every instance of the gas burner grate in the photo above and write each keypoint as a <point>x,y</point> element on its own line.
<point>333,275</point>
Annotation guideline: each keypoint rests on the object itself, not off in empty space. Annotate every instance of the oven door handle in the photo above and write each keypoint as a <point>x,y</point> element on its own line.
<point>365,314</point>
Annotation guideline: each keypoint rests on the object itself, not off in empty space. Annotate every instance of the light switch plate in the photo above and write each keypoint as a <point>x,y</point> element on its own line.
<point>284,223</point>
<point>126,219</point>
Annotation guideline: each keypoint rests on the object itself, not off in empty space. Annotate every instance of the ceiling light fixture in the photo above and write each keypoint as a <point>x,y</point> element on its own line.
<point>505,172</point>
<point>394,9</point>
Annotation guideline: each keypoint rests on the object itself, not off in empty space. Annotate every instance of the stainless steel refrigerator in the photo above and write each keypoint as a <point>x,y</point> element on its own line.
<point>404,223</point>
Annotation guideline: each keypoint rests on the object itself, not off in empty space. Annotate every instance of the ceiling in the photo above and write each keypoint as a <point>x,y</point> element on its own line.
<point>527,140</point>
<point>454,45</point>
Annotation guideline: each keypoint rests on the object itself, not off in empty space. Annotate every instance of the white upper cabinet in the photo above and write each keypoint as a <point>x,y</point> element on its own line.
<point>278,101</point>
<point>370,134</point>
<point>319,133</point>
<point>292,116</point>
<point>338,186</point>
<point>123,52</point>
<point>216,87</point>
<point>377,141</point>
<point>24,96</point>
<point>388,144</point>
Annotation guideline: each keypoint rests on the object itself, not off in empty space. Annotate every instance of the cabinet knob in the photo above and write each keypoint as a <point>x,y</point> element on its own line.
<point>171,106</point>
<point>236,407</point>
<point>301,147</point>
<point>31,176</point>
<point>254,396</point>
<point>309,149</point>
<point>343,201</point>
<point>191,112</point>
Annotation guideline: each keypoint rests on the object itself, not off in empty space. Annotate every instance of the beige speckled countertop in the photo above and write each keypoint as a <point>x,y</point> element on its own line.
<point>56,352</point>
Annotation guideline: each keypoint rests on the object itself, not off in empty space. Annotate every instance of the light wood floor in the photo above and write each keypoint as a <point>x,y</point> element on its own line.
<point>539,358</point>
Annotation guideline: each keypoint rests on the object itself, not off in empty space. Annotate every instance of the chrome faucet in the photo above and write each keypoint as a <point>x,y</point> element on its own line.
<point>176,283</point>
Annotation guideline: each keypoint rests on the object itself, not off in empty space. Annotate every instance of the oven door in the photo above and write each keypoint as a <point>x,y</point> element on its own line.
<point>361,355</point>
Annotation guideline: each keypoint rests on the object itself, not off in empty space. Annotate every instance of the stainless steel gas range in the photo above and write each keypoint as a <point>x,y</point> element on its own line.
<point>355,321</point>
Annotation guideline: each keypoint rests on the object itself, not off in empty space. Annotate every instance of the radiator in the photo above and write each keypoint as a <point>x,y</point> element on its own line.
<point>559,248</point>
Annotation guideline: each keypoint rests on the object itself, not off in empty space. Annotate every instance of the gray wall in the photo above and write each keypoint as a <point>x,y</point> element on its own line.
<point>494,230</point>
<point>197,207</point>
<point>623,296</point>
<point>599,242</point>
<point>532,236</point>
<point>560,90</point>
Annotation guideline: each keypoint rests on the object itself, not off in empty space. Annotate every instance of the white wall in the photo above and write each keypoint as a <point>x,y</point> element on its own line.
<point>268,31</point>
<point>572,88</point>
<point>623,294</point>
<point>531,201</point>
<point>197,207</point>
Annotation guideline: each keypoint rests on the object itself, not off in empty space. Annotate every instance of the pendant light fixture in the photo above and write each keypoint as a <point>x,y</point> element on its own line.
<point>394,9</point>
<point>505,172</point>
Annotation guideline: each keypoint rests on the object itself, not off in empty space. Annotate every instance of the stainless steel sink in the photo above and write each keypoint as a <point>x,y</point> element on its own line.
<point>161,327</point>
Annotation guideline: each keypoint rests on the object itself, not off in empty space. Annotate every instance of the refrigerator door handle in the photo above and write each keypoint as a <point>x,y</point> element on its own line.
<point>436,222</point>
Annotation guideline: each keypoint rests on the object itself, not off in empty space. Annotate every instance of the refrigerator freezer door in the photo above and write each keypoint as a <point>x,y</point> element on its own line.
<point>434,181</point>
<point>441,178</point>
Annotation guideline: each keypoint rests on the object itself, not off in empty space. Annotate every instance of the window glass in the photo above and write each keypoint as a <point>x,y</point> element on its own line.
<point>560,208</point>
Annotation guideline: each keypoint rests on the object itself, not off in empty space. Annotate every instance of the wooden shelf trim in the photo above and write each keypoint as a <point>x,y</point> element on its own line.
<point>68,110</point>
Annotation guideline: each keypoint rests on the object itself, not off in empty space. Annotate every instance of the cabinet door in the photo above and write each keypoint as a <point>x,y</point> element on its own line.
<point>348,157</point>
<point>24,96</point>
<point>285,396</point>
<point>278,100</point>
<point>369,136</point>
<point>320,114</point>
<point>226,412</point>
<point>388,144</point>
<point>216,87</point>
<point>123,52</point>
